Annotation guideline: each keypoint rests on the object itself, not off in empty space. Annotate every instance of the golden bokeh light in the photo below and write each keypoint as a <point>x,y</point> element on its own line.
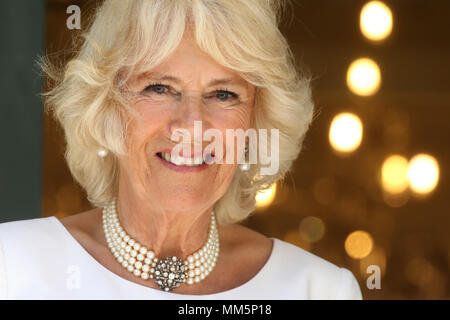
<point>312,229</point>
<point>346,131</point>
<point>364,77</point>
<point>396,200</point>
<point>423,173</point>
<point>376,20</point>
<point>394,171</point>
<point>265,197</point>
<point>359,244</point>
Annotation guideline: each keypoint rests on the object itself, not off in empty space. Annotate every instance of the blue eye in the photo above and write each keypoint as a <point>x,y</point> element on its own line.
<point>158,88</point>
<point>224,95</point>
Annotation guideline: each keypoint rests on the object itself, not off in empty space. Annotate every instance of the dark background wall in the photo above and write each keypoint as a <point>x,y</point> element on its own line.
<point>22,26</point>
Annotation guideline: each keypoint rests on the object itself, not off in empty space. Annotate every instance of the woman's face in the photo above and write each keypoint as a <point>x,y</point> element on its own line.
<point>189,86</point>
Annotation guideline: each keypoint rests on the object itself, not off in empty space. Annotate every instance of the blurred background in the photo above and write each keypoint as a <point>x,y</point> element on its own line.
<point>371,186</point>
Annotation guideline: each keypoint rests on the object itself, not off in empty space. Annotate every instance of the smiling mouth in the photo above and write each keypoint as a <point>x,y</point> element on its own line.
<point>182,161</point>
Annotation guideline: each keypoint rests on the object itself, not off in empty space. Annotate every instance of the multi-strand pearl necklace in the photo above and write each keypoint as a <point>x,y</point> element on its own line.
<point>169,272</point>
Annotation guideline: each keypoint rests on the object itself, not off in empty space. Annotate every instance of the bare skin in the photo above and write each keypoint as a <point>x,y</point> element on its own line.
<point>239,247</point>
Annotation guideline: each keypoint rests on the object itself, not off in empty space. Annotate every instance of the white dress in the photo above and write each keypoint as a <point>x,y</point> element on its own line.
<point>39,259</point>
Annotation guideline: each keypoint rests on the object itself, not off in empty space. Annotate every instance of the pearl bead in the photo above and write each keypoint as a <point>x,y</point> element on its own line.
<point>197,279</point>
<point>143,250</point>
<point>190,259</point>
<point>144,275</point>
<point>145,268</point>
<point>190,281</point>
<point>137,272</point>
<point>130,268</point>
<point>140,257</point>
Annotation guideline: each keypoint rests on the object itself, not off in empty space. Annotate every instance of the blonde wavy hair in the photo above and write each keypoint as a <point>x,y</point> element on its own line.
<point>129,37</point>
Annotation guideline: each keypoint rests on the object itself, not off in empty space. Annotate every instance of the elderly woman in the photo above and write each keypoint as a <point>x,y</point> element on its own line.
<point>165,223</point>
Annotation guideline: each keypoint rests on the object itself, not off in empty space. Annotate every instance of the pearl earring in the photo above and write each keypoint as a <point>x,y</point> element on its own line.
<point>244,166</point>
<point>102,152</point>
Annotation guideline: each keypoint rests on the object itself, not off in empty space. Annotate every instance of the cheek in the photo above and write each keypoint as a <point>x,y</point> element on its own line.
<point>151,120</point>
<point>239,118</point>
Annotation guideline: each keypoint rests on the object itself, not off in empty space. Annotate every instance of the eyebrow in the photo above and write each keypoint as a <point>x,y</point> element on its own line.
<point>213,82</point>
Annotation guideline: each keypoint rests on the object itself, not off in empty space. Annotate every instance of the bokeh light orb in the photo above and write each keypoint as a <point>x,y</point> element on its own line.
<point>364,77</point>
<point>423,173</point>
<point>346,131</point>
<point>376,20</point>
<point>265,197</point>
<point>358,244</point>
<point>312,229</point>
<point>394,171</point>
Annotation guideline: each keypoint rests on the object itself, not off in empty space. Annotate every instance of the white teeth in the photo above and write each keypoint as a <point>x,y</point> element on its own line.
<point>181,161</point>
<point>166,156</point>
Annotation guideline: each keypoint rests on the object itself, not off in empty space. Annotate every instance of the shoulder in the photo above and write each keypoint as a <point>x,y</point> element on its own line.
<point>27,229</point>
<point>29,237</point>
<point>26,247</point>
<point>320,278</point>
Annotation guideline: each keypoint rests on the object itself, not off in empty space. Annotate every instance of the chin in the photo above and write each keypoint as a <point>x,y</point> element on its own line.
<point>184,200</point>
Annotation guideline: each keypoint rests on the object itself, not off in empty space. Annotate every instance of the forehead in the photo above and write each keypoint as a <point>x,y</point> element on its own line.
<point>189,64</point>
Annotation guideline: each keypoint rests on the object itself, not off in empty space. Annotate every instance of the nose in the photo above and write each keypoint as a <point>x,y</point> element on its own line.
<point>187,118</point>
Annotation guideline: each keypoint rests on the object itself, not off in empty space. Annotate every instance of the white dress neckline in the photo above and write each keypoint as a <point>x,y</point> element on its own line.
<point>258,278</point>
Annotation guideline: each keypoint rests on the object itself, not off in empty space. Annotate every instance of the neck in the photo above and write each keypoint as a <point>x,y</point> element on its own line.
<point>165,232</point>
